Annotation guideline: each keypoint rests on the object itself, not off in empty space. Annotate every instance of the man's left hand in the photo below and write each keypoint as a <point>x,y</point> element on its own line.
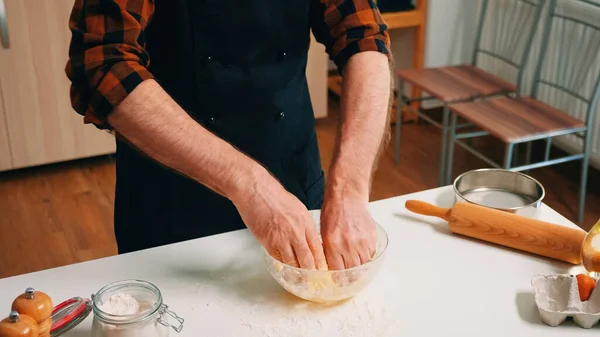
<point>348,232</point>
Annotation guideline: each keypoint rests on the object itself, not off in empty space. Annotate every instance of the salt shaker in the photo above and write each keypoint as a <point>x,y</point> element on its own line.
<point>16,325</point>
<point>38,306</point>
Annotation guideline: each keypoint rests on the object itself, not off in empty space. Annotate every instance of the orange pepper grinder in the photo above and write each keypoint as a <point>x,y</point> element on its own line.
<point>38,306</point>
<point>16,325</point>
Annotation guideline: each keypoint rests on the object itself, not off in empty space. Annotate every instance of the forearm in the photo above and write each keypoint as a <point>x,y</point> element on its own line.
<point>156,125</point>
<point>365,111</point>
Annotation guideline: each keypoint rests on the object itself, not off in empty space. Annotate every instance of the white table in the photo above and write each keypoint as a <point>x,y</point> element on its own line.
<point>433,283</point>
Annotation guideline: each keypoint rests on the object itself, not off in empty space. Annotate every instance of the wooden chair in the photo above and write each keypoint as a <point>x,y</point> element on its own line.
<point>510,26</point>
<point>567,78</point>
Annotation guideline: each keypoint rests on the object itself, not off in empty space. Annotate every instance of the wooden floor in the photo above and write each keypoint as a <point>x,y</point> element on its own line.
<point>62,214</point>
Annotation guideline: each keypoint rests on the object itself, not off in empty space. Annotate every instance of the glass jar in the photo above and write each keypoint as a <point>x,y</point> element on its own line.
<point>153,319</point>
<point>590,251</point>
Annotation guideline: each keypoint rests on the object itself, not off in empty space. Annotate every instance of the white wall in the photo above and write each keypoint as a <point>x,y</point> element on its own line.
<point>450,34</point>
<point>451,26</point>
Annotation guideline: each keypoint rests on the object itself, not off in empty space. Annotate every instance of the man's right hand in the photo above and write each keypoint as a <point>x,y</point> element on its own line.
<point>282,224</point>
<point>154,123</point>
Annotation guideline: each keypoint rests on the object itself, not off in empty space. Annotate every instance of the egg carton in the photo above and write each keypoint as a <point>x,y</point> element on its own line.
<point>557,298</point>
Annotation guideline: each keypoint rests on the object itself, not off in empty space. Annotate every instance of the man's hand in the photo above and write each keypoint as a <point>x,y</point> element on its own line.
<point>154,123</point>
<point>282,224</point>
<point>348,231</point>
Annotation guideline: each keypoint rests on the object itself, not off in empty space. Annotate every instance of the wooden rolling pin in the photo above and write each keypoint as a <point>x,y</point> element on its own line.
<point>508,229</point>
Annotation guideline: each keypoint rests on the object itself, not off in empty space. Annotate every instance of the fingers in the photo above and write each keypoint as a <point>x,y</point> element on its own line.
<point>309,249</point>
<point>288,256</point>
<point>274,253</point>
<point>364,256</point>
<point>367,252</point>
<point>316,248</point>
<point>344,256</point>
<point>304,255</point>
<point>334,259</point>
<point>351,260</point>
<point>310,254</point>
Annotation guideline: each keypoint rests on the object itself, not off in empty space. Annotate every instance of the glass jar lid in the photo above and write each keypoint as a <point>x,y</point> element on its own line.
<point>69,314</point>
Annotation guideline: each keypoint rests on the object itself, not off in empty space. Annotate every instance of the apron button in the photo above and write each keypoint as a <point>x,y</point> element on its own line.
<point>283,55</point>
<point>280,115</point>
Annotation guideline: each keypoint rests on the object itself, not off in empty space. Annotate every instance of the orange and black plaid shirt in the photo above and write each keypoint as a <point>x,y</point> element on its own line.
<point>107,58</point>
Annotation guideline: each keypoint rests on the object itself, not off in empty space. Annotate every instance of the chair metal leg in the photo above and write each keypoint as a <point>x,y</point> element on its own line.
<point>584,177</point>
<point>399,108</point>
<point>528,154</point>
<point>470,141</point>
<point>443,177</point>
<point>508,155</point>
<point>548,148</point>
<point>451,146</point>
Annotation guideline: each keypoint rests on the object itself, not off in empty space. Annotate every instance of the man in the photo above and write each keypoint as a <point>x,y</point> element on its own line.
<point>210,106</point>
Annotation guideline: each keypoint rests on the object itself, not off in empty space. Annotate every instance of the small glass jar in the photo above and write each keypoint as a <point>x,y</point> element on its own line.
<point>153,319</point>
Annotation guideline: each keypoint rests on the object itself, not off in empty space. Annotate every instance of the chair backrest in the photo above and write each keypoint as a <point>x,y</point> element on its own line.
<point>505,32</point>
<point>568,72</point>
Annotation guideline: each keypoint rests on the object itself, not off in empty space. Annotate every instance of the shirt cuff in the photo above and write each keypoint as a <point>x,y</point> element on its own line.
<point>118,82</point>
<point>379,43</point>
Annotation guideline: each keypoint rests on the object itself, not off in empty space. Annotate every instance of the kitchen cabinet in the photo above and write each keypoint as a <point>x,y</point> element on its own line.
<point>5,157</point>
<point>40,123</point>
<point>316,75</point>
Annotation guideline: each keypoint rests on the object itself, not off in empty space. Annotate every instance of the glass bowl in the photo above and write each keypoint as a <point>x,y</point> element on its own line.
<point>327,286</point>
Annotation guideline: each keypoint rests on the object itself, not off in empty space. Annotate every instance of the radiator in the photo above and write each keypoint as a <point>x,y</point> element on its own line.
<point>574,37</point>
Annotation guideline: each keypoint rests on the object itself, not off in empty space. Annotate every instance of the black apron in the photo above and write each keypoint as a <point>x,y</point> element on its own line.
<point>238,68</point>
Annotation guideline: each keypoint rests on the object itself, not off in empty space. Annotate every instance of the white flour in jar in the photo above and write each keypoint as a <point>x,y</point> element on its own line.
<point>120,304</point>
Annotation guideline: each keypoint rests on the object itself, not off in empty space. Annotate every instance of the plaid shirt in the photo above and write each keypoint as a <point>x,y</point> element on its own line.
<point>107,59</point>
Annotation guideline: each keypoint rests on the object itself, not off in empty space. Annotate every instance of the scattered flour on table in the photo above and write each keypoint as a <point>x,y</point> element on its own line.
<point>265,309</point>
<point>356,318</point>
<point>120,304</point>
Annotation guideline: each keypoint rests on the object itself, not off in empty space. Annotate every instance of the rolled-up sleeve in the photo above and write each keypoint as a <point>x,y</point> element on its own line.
<point>107,59</point>
<point>348,27</point>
